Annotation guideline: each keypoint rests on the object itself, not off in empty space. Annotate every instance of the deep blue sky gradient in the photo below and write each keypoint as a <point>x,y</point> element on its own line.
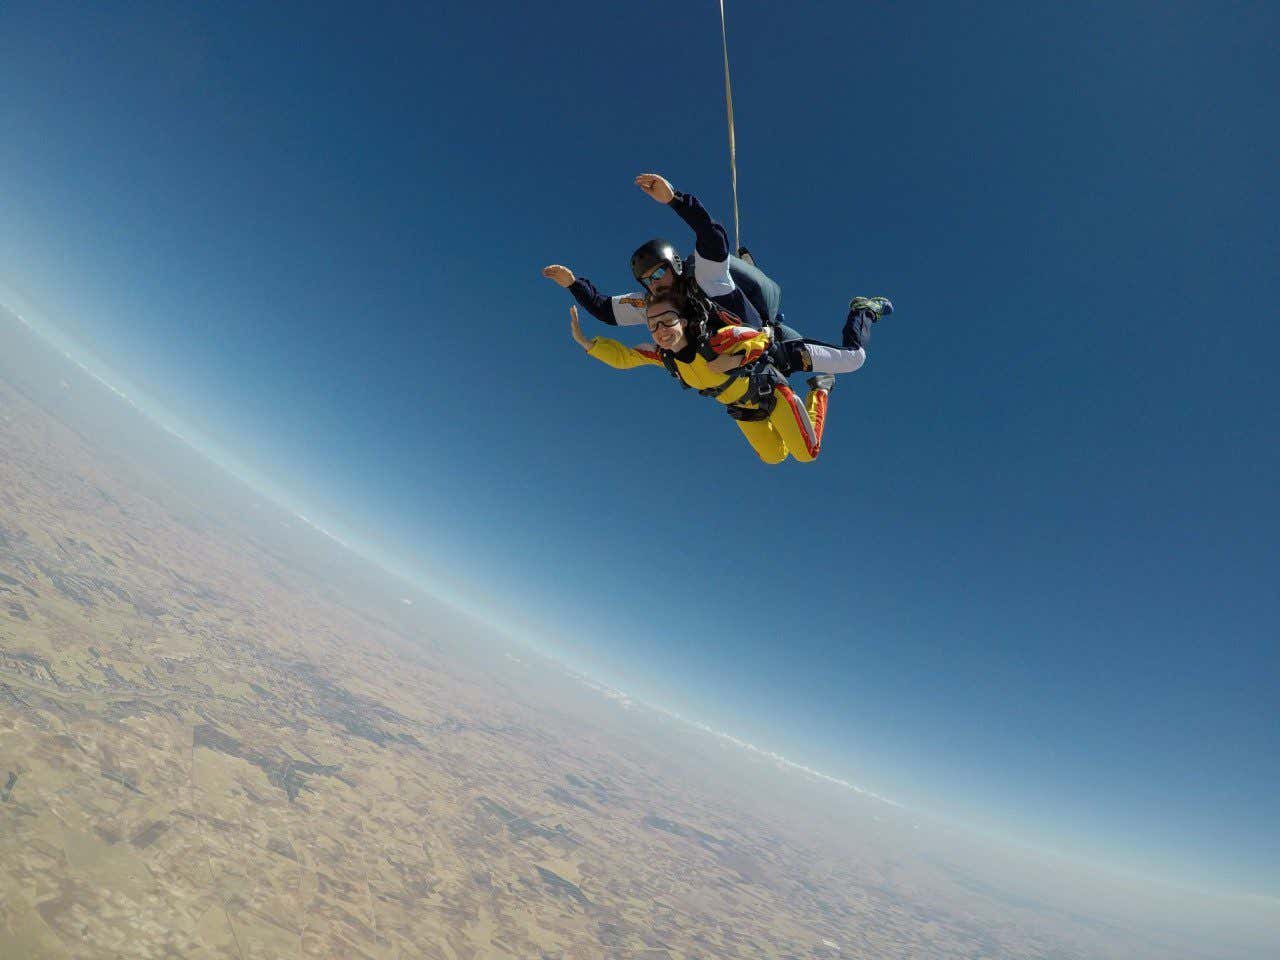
<point>1031,582</point>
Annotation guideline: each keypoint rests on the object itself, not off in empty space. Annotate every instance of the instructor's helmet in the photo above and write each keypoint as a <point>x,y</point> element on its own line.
<point>651,255</point>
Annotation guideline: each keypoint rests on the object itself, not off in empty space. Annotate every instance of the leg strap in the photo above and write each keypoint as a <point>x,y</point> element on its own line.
<point>750,414</point>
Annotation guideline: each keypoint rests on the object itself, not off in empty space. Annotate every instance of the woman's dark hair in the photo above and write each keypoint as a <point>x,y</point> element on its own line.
<point>692,303</point>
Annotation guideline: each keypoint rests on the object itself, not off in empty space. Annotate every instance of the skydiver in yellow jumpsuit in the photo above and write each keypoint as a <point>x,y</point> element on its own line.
<point>718,358</point>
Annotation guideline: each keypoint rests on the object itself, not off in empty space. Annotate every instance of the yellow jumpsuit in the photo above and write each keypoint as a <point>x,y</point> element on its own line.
<point>792,427</point>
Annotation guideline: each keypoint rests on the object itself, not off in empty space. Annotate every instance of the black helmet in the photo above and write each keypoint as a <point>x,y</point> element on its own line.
<point>651,254</point>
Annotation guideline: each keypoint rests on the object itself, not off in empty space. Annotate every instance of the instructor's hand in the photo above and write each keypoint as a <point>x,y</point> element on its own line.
<point>576,329</point>
<point>561,275</point>
<point>656,186</point>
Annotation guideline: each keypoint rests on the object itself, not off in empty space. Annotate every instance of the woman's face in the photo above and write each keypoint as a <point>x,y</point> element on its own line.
<point>666,325</point>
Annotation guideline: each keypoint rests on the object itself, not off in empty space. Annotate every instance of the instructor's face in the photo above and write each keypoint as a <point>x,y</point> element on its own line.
<point>659,279</point>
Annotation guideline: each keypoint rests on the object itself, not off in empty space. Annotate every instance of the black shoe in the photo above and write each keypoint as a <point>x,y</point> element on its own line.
<point>822,381</point>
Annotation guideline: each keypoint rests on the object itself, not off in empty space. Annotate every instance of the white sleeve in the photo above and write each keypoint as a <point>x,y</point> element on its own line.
<point>628,309</point>
<point>824,359</point>
<point>712,277</point>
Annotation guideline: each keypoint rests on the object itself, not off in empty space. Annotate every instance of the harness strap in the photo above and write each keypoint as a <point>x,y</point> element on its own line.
<point>669,361</point>
<point>730,378</point>
<point>762,391</point>
<point>751,414</point>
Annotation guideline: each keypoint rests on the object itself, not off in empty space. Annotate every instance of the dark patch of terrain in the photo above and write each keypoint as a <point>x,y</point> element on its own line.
<point>126,781</point>
<point>150,834</point>
<point>680,830</point>
<point>288,774</point>
<point>561,885</point>
<point>517,826</point>
<point>564,796</point>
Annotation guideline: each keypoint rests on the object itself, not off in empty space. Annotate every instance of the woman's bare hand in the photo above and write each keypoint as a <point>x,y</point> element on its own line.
<point>576,329</point>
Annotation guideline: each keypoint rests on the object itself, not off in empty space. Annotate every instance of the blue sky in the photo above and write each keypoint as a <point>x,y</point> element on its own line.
<point>1030,583</point>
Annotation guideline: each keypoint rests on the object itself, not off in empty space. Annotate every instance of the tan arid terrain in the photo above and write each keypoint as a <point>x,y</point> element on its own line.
<point>213,747</point>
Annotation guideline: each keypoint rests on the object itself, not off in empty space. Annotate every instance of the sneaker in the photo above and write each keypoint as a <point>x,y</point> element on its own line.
<point>878,306</point>
<point>863,312</point>
<point>822,381</point>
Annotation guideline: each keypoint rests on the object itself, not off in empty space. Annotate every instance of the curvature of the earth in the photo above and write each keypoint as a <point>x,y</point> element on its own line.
<point>223,736</point>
